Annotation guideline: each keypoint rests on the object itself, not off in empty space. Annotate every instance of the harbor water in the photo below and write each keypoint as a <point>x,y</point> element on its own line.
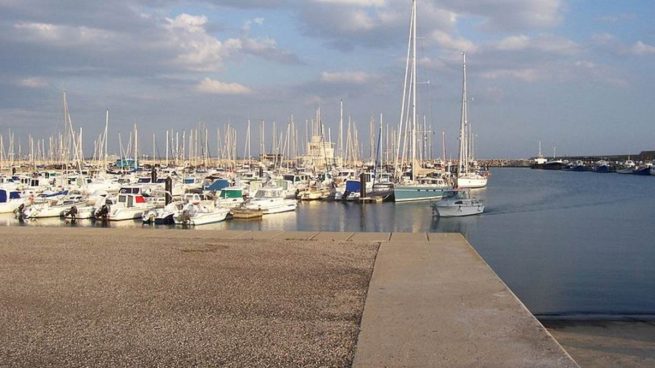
<point>567,243</point>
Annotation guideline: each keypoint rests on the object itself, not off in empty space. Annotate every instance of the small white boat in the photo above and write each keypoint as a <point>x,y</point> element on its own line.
<point>163,216</point>
<point>10,200</point>
<point>55,208</point>
<point>194,214</point>
<point>456,203</point>
<point>127,207</point>
<point>270,200</point>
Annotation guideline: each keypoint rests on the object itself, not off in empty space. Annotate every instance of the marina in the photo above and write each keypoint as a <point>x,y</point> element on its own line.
<point>532,220</point>
<point>328,183</point>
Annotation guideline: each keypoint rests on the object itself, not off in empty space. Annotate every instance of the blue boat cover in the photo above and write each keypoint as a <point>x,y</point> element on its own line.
<point>353,186</point>
<point>218,184</point>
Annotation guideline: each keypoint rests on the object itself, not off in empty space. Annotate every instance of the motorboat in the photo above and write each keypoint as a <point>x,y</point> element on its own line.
<point>198,214</point>
<point>643,169</point>
<point>270,200</point>
<point>456,203</point>
<point>55,208</point>
<point>10,200</point>
<point>602,166</point>
<point>163,216</point>
<point>126,207</point>
<point>230,197</point>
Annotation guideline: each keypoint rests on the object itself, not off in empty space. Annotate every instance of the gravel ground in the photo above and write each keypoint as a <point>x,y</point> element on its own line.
<point>144,298</point>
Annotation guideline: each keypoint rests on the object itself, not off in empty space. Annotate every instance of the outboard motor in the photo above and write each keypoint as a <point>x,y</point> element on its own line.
<point>72,213</point>
<point>185,218</point>
<point>20,212</point>
<point>103,213</point>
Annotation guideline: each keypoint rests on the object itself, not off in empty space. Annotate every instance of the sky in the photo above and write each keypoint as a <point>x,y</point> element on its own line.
<point>577,75</point>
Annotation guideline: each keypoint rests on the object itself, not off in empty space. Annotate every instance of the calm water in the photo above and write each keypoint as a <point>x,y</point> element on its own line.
<point>565,242</point>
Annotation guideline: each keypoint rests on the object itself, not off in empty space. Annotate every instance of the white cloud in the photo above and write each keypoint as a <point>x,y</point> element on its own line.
<point>350,77</point>
<point>612,44</point>
<point>360,3</point>
<point>526,74</point>
<point>197,49</point>
<point>62,35</point>
<point>33,82</point>
<point>449,42</point>
<point>213,86</point>
<point>640,48</point>
<point>544,43</point>
<point>518,42</point>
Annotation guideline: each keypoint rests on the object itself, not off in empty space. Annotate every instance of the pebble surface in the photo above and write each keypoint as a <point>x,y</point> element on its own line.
<point>142,298</point>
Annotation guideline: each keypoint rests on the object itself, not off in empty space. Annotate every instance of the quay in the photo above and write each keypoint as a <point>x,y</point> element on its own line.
<point>137,297</point>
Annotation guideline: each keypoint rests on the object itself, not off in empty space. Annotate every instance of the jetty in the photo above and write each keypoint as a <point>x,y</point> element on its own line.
<point>137,297</point>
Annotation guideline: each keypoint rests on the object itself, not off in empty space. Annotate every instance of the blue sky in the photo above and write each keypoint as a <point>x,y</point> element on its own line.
<point>574,74</point>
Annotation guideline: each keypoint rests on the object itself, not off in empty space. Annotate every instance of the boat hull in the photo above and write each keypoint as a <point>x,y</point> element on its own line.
<point>459,210</point>
<point>204,218</point>
<point>472,182</point>
<point>410,193</point>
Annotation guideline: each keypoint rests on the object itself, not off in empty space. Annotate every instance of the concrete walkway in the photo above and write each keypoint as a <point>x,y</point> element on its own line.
<point>434,302</point>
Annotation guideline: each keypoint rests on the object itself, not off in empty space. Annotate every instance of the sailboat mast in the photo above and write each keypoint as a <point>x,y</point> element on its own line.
<point>463,135</point>
<point>341,131</point>
<point>414,92</point>
<point>403,112</point>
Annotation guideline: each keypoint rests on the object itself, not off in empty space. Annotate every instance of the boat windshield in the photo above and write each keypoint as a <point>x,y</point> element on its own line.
<point>266,193</point>
<point>455,194</point>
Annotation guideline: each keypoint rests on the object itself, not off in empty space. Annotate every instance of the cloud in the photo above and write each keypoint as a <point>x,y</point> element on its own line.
<point>640,48</point>
<point>544,43</point>
<point>611,43</point>
<point>359,3</point>
<point>33,82</point>
<point>525,75</point>
<point>212,86</point>
<point>62,35</point>
<point>510,15</point>
<point>449,42</point>
<point>197,49</point>
<point>350,77</point>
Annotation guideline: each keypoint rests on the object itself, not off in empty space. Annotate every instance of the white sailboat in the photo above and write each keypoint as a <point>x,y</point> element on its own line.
<point>414,189</point>
<point>467,177</point>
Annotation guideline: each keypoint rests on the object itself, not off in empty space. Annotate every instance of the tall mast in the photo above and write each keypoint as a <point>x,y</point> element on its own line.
<point>104,144</point>
<point>136,147</point>
<point>414,93</point>
<point>463,132</point>
<point>341,130</point>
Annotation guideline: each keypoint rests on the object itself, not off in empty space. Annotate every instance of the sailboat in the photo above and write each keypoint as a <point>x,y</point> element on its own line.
<point>467,177</point>
<point>415,188</point>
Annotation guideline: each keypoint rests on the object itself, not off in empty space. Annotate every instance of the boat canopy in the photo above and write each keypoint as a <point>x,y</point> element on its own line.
<point>231,193</point>
<point>353,186</point>
<point>219,184</point>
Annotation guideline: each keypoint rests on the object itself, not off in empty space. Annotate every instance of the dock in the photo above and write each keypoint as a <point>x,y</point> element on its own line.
<point>138,297</point>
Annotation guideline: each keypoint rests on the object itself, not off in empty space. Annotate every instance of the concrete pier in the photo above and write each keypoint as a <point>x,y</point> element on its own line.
<point>434,302</point>
<point>147,297</point>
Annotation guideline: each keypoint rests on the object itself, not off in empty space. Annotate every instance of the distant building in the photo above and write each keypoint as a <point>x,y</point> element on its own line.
<point>126,164</point>
<point>319,153</point>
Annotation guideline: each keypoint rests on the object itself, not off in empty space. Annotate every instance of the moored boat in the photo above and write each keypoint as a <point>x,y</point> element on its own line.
<point>197,214</point>
<point>270,200</point>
